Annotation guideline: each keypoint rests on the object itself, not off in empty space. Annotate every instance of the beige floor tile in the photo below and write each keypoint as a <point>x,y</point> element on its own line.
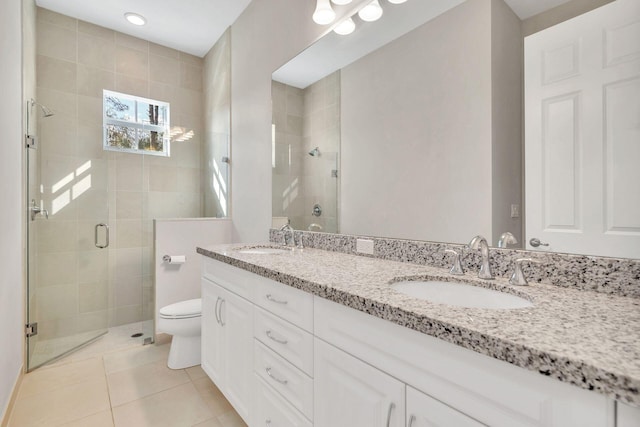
<point>101,419</point>
<point>131,384</point>
<point>231,419</point>
<point>62,405</point>
<point>134,357</point>
<point>213,422</point>
<point>212,396</point>
<point>46,380</point>
<point>196,372</point>
<point>176,407</point>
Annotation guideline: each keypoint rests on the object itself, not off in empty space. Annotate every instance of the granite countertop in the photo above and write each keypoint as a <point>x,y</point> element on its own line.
<point>585,338</point>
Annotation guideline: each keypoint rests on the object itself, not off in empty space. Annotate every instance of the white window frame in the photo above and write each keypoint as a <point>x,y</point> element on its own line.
<point>164,128</point>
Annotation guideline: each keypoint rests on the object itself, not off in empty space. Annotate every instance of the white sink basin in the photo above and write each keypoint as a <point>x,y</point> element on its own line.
<point>266,250</point>
<point>460,294</point>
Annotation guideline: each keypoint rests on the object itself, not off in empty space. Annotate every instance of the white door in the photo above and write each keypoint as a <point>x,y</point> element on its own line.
<point>350,393</point>
<point>236,316</point>
<point>582,133</point>
<point>425,411</point>
<point>212,338</point>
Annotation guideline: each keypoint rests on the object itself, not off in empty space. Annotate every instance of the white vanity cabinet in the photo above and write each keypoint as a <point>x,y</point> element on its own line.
<point>227,344</point>
<point>350,393</point>
<point>479,387</point>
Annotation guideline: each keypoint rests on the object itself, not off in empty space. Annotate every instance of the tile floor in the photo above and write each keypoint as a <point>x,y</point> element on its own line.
<point>110,383</point>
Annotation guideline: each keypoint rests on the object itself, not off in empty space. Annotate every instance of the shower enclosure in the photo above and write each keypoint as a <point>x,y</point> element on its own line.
<point>67,241</point>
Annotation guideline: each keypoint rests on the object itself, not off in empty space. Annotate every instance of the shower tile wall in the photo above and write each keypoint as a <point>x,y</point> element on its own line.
<point>305,119</point>
<point>76,60</point>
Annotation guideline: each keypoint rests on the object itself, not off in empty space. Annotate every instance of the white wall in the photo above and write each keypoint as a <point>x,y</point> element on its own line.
<point>416,157</point>
<point>179,282</point>
<point>265,36</point>
<point>11,214</point>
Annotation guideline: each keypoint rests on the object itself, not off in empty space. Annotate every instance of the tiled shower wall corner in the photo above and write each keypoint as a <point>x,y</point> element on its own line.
<point>76,60</point>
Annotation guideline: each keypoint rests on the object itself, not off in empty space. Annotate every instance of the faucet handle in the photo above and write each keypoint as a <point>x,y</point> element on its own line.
<point>457,266</point>
<point>300,245</point>
<point>518,278</point>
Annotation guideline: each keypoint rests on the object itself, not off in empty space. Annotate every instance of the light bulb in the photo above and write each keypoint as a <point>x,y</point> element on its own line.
<point>323,14</point>
<point>135,19</point>
<point>371,12</point>
<point>341,2</point>
<point>345,27</point>
<point>397,1</point>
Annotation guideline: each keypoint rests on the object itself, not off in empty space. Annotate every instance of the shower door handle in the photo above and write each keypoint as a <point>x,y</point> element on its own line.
<point>106,227</point>
<point>35,210</point>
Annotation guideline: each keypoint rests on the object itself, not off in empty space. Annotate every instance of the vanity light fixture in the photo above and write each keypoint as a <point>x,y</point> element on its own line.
<point>345,27</point>
<point>397,1</point>
<point>135,18</point>
<point>340,2</point>
<point>371,12</point>
<point>323,14</point>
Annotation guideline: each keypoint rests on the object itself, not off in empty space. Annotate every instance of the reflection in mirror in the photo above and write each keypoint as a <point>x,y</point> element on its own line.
<point>305,146</point>
<point>416,130</point>
<point>430,125</point>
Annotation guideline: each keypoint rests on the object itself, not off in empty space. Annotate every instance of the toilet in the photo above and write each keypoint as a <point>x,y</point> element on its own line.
<point>182,320</point>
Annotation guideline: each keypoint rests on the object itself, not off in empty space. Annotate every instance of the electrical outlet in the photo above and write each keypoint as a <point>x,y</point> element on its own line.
<point>515,211</point>
<point>364,246</point>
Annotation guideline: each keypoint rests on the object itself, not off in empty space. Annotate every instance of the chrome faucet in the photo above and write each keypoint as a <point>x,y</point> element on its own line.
<point>507,239</point>
<point>284,229</point>
<point>485,268</point>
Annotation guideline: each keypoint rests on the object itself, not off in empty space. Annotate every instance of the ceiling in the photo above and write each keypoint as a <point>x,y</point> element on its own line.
<point>194,26</point>
<point>191,26</point>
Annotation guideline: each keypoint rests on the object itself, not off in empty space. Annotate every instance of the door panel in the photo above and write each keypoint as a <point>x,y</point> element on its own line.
<point>582,138</point>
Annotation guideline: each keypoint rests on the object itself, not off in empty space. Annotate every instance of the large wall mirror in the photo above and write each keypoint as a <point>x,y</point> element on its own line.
<point>412,127</point>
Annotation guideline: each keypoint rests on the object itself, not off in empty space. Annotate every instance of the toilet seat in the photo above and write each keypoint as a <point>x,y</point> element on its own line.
<point>182,310</point>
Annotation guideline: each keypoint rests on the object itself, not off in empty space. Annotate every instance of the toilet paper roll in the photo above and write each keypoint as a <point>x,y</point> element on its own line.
<point>174,259</point>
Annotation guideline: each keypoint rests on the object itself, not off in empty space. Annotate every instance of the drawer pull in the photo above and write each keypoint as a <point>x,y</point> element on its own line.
<point>391,408</point>
<point>283,382</point>
<point>273,338</point>
<point>277,301</point>
<point>411,420</point>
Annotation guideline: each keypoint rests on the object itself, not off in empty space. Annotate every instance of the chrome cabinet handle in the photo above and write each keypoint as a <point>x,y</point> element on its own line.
<point>391,408</point>
<point>273,338</point>
<point>95,235</point>
<point>277,301</point>
<point>283,382</point>
<point>222,301</point>
<point>216,311</point>
<point>411,420</point>
<point>535,242</point>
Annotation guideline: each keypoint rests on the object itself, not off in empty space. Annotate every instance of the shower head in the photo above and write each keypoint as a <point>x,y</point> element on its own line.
<point>46,112</point>
<point>315,152</point>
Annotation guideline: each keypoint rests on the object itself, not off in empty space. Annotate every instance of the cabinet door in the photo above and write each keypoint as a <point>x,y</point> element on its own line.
<point>236,317</point>
<point>350,393</point>
<point>212,339</point>
<point>425,411</point>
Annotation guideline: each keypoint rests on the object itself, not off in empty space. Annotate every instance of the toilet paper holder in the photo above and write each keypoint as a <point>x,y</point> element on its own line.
<point>174,259</point>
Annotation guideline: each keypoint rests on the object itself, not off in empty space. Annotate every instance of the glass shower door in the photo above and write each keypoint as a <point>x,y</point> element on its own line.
<point>67,240</point>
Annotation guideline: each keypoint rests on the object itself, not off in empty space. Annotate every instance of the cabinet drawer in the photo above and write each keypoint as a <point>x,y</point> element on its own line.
<point>293,384</point>
<point>238,281</point>
<point>291,304</point>
<point>425,411</point>
<point>289,341</point>
<point>271,410</point>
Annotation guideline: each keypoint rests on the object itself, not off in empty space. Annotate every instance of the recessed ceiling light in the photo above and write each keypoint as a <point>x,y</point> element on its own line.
<point>135,19</point>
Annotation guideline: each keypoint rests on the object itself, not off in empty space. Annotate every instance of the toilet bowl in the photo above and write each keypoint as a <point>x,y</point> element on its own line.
<point>182,320</point>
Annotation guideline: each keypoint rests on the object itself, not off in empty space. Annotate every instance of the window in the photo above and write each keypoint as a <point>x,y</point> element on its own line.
<point>135,125</point>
